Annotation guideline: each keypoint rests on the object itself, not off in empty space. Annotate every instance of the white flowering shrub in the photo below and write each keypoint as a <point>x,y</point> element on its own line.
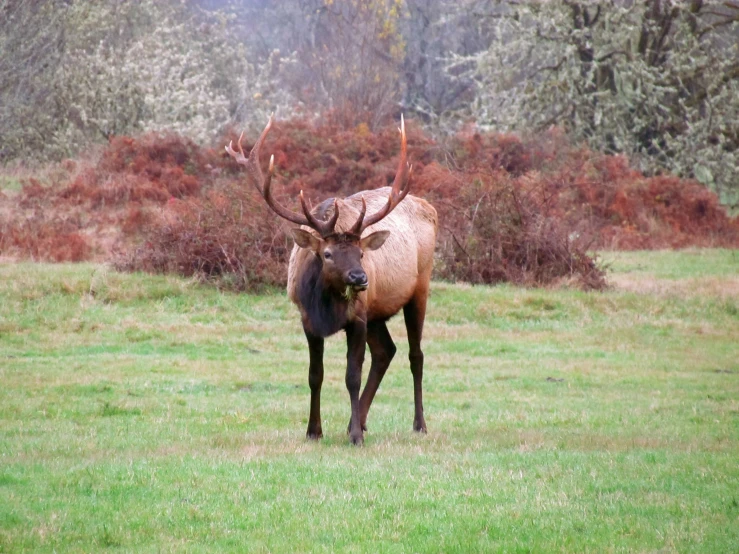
<point>130,67</point>
<point>165,69</point>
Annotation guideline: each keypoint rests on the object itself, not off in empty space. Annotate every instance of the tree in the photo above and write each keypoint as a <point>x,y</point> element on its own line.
<point>352,62</point>
<point>657,80</point>
<point>345,55</point>
<point>32,40</point>
<point>74,74</point>
<point>433,29</point>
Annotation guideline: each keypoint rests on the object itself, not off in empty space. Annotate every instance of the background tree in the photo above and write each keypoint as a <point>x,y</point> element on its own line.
<point>74,74</point>
<point>657,80</point>
<point>346,55</point>
<point>32,40</point>
<point>433,30</point>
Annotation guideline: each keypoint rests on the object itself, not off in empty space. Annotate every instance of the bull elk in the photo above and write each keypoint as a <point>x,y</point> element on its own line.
<point>340,279</point>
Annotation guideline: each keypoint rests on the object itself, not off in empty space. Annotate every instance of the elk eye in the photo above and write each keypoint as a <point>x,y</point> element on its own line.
<point>327,255</point>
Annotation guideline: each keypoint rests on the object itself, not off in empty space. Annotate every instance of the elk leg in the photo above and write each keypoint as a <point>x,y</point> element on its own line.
<point>415,313</point>
<point>383,349</point>
<point>356,342</point>
<point>315,380</point>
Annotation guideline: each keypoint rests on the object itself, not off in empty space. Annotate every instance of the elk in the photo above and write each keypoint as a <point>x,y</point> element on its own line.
<point>343,278</point>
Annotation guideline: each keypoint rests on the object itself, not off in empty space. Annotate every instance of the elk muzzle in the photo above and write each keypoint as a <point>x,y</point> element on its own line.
<point>357,279</point>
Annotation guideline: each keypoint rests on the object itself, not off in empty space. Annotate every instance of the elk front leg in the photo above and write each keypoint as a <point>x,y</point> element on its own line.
<point>356,341</point>
<point>383,349</point>
<point>315,380</point>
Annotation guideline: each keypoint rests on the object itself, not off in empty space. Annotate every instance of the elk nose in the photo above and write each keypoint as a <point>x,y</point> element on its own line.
<point>357,278</point>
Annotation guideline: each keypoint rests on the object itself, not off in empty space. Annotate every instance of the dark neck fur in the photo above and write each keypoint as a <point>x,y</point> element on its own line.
<point>324,309</point>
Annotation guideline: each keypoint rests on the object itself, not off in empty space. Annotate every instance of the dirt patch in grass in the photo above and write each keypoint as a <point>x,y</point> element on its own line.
<point>720,287</point>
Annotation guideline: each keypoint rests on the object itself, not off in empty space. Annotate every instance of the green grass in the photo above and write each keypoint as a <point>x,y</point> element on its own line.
<point>666,264</point>
<point>146,413</point>
<point>9,183</point>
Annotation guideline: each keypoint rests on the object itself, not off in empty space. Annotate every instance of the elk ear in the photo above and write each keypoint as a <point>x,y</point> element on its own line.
<point>304,239</point>
<point>374,241</point>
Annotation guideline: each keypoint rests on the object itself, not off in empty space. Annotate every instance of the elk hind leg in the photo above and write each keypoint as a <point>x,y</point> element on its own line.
<point>415,314</point>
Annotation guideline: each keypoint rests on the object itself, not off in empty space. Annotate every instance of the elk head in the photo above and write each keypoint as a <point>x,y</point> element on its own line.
<point>340,253</point>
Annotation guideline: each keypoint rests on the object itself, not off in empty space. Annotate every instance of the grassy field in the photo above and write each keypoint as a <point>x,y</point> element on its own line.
<point>151,414</point>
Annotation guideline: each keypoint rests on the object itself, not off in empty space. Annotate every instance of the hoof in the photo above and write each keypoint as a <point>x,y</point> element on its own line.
<point>314,435</point>
<point>356,437</point>
<point>419,426</point>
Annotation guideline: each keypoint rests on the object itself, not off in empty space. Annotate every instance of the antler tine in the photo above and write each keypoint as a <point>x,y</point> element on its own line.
<point>357,227</point>
<point>401,184</point>
<point>252,162</point>
<point>325,228</point>
<point>400,175</point>
<point>238,156</point>
<point>331,223</point>
<point>263,185</point>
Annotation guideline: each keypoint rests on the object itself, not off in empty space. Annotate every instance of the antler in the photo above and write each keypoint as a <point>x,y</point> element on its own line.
<point>397,193</point>
<point>262,184</point>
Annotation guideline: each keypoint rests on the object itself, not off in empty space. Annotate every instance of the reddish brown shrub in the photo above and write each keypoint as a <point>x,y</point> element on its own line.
<point>135,219</point>
<point>33,193</point>
<point>152,168</point>
<point>43,237</point>
<point>228,236</point>
<point>619,208</point>
<point>495,230</point>
<point>327,160</point>
<point>70,247</point>
<point>114,193</point>
<point>511,209</point>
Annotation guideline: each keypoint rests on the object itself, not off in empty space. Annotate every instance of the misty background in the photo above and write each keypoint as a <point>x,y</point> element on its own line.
<point>655,80</point>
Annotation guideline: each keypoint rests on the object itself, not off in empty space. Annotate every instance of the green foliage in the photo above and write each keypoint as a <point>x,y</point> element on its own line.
<point>558,420</point>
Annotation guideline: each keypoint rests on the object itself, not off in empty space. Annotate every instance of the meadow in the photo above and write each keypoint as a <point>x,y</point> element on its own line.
<point>144,413</point>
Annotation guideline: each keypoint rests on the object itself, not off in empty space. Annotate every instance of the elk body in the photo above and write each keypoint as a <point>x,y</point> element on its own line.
<point>352,271</point>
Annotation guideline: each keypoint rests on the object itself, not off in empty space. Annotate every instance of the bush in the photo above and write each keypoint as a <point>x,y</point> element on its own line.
<point>227,236</point>
<point>495,231</point>
<point>95,70</point>
<point>45,239</point>
<point>515,209</point>
<point>77,211</point>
